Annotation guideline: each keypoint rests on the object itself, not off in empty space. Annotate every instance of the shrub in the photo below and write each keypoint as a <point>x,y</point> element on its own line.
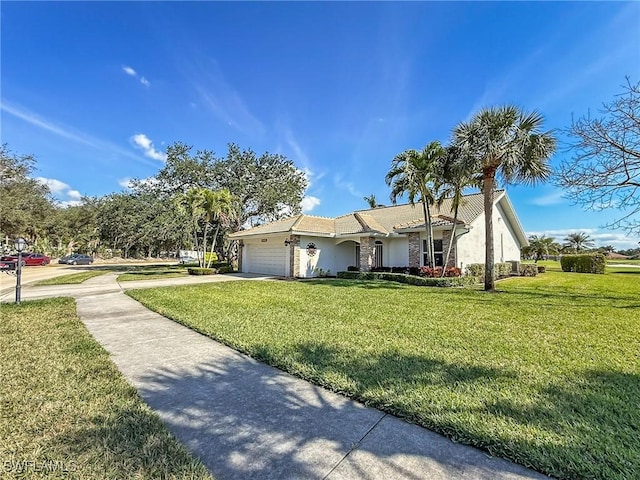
<point>225,269</point>
<point>352,268</point>
<point>219,265</point>
<point>528,270</point>
<point>399,269</point>
<point>583,263</point>
<point>542,269</point>
<point>321,272</point>
<point>501,269</point>
<point>436,272</point>
<point>409,279</point>
<point>381,269</point>
<point>201,271</point>
<point>475,270</point>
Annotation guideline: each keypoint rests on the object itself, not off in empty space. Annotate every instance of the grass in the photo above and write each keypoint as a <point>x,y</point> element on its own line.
<point>66,407</point>
<point>72,278</point>
<point>545,373</point>
<point>153,272</point>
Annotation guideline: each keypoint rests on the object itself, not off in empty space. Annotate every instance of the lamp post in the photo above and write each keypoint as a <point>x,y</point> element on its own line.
<point>19,244</point>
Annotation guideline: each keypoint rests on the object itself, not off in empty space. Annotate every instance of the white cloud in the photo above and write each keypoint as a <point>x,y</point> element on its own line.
<point>55,186</point>
<point>67,197</point>
<point>309,203</point>
<point>65,131</point>
<point>132,73</point>
<point>70,203</point>
<point>125,182</point>
<point>547,200</point>
<point>129,71</point>
<point>348,186</point>
<point>128,182</point>
<point>223,99</point>
<point>141,141</point>
<point>34,119</point>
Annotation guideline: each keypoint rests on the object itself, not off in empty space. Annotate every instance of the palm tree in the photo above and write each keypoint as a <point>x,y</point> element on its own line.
<point>414,173</point>
<point>206,208</point>
<point>541,246</point>
<point>504,142</point>
<point>221,210</point>
<point>371,200</point>
<point>578,241</point>
<point>455,175</point>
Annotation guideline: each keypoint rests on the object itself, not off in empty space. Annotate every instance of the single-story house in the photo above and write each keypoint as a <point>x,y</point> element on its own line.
<point>302,245</point>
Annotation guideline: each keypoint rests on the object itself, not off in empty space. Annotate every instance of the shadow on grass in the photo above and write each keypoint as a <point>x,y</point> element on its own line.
<point>129,441</point>
<point>244,419</point>
<point>593,412</point>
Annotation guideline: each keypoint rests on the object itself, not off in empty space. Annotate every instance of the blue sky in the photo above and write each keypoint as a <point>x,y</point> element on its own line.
<point>96,91</point>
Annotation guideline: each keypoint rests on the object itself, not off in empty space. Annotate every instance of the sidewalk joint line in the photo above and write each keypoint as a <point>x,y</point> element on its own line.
<point>355,446</point>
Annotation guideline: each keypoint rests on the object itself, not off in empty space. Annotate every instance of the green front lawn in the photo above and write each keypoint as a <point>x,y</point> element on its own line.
<point>66,408</point>
<point>153,272</point>
<point>72,278</point>
<point>546,372</point>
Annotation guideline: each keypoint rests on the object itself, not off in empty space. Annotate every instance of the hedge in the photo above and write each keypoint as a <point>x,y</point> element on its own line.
<point>410,279</point>
<point>583,263</point>
<point>501,269</point>
<point>529,270</point>
<point>201,271</point>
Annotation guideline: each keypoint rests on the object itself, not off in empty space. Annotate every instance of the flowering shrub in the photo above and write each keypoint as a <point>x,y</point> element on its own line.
<point>436,272</point>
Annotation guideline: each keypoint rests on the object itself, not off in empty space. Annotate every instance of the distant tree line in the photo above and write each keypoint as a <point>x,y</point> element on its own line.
<point>194,198</point>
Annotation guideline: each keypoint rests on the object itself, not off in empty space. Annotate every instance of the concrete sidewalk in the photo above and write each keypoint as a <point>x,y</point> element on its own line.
<point>244,419</point>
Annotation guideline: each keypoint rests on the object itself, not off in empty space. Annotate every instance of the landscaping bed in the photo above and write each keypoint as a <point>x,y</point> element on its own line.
<point>545,372</point>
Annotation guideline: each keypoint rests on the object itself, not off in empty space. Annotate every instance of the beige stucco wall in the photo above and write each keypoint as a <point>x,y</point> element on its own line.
<point>329,256</point>
<point>471,245</point>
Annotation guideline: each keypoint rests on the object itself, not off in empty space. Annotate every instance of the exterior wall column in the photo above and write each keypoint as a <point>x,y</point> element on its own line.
<point>240,251</point>
<point>414,249</point>
<point>294,255</point>
<point>367,252</point>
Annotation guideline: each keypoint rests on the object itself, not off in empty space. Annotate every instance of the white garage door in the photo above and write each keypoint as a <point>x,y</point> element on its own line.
<point>270,260</point>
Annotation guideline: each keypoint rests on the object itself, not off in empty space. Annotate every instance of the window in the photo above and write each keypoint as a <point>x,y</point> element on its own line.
<point>378,256</point>
<point>357,264</point>
<point>438,253</point>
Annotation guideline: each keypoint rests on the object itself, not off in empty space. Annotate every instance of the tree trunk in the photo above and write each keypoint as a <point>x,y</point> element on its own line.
<point>487,189</point>
<point>453,235</point>
<point>213,244</point>
<point>427,225</point>
<point>204,263</point>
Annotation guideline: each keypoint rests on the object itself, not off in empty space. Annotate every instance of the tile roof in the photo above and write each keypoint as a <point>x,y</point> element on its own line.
<point>383,220</point>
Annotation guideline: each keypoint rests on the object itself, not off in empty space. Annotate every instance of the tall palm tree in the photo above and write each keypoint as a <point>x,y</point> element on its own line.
<point>578,241</point>
<point>455,174</point>
<point>414,173</point>
<point>220,210</point>
<point>508,143</point>
<point>206,208</point>
<point>371,200</point>
<point>541,246</point>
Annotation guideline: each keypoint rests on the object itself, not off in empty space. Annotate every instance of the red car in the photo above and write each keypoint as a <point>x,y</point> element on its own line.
<point>29,259</point>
